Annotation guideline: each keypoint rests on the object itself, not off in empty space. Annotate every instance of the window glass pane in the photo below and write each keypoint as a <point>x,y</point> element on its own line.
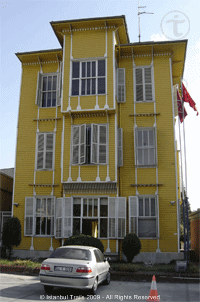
<point>93,69</point>
<point>83,69</point>
<point>147,207</point>
<point>147,74</point>
<point>54,82</point>
<point>49,213</point>
<point>147,228</point>
<point>145,152</point>
<point>101,68</point>
<point>88,86</point>
<point>90,208</point>
<point>83,82</point>
<point>148,92</point>
<point>139,138</point>
<point>151,156</point>
<point>88,69</point>
<point>153,207</point>
<point>77,207</point>
<point>37,231</point>
<point>76,226</point>
<point>44,97</point>
<point>54,99</point>
<point>140,206</point>
<point>151,137</point>
<point>50,83</point>
<point>95,207</point>
<point>103,207</point>
<point>75,87</point>
<point>101,86</point>
<point>44,84</point>
<point>93,86</point>
<point>49,99</point>
<point>102,154</point>
<point>75,70</point>
<point>84,207</point>
<point>49,226</point>
<point>103,227</point>
<point>38,206</point>
<point>139,158</point>
<point>145,138</point>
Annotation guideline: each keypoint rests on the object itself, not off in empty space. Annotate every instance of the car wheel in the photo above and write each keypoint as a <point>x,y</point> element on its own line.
<point>48,289</point>
<point>107,280</point>
<point>94,287</point>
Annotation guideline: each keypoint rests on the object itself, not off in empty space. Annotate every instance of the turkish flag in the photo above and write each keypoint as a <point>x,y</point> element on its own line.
<point>187,98</point>
<point>180,107</point>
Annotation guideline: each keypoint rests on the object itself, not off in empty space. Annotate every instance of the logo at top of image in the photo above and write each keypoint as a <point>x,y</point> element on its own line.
<point>175,25</point>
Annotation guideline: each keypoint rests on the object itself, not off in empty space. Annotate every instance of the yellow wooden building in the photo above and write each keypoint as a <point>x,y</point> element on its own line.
<point>96,150</point>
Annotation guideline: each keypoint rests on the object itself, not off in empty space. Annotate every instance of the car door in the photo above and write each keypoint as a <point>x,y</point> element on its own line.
<point>104,266</point>
<point>99,265</point>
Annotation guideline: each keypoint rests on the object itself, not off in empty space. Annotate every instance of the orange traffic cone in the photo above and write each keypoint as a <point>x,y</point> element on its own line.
<point>153,296</point>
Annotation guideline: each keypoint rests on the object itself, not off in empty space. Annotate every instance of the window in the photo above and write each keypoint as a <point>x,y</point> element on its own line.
<point>39,216</point>
<point>143,216</point>
<point>145,150</point>
<point>121,87</point>
<point>143,84</point>
<point>48,90</point>
<point>89,144</point>
<point>45,151</point>
<point>88,77</point>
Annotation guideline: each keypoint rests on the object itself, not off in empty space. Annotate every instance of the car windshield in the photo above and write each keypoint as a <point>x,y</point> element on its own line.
<point>69,253</point>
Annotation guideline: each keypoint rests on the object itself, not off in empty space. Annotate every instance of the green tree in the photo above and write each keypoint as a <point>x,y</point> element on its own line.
<point>11,235</point>
<point>131,246</point>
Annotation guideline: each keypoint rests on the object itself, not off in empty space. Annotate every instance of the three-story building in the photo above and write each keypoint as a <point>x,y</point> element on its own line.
<point>96,151</point>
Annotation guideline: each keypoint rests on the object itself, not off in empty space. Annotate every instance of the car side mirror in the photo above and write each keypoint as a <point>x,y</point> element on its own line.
<point>106,259</point>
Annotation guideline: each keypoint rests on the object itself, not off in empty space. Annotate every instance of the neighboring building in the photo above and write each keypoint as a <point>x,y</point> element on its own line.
<point>96,151</point>
<point>6,191</point>
<point>195,231</point>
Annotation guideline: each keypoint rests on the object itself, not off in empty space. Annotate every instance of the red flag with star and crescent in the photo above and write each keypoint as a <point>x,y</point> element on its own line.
<point>187,98</point>
<point>180,107</point>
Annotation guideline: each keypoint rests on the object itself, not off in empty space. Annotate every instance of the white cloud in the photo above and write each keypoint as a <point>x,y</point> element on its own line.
<point>157,37</point>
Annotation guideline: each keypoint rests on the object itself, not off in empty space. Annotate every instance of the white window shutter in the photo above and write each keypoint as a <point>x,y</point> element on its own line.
<point>58,91</point>
<point>139,84</point>
<point>102,159</point>
<point>94,143</point>
<point>148,84</point>
<point>58,216</point>
<point>121,214</point>
<point>68,218</point>
<point>112,216</point>
<point>121,88</point>
<point>29,216</point>
<point>49,151</point>
<point>120,146</point>
<point>38,99</point>
<point>82,141</point>
<point>75,144</point>
<point>40,150</point>
<point>133,214</point>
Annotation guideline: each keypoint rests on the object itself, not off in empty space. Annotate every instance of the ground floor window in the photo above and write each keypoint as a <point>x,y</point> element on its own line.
<point>143,216</point>
<point>39,216</point>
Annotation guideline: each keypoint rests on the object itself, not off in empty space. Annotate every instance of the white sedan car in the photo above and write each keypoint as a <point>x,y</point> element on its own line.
<point>75,266</point>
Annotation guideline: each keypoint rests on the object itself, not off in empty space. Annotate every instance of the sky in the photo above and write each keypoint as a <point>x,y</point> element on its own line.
<point>24,26</point>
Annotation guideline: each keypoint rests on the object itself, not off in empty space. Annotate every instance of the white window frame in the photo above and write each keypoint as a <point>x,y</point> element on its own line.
<point>145,148</point>
<point>144,84</point>
<point>30,212</point>
<point>63,217</point>
<point>40,92</point>
<point>135,218</point>
<point>90,78</point>
<point>45,151</point>
<point>78,145</point>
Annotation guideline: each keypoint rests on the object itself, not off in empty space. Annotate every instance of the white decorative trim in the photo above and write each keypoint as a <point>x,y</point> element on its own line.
<point>38,63</point>
<point>87,29</point>
<point>147,55</point>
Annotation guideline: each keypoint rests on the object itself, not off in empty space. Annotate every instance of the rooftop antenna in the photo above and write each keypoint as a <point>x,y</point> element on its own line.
<point>140,13</point>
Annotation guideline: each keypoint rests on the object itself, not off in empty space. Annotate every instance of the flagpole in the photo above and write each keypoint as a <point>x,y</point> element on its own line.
<point>185,199</point>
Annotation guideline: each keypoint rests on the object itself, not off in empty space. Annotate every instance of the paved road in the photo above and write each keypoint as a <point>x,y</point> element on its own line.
<point>28,288</point>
